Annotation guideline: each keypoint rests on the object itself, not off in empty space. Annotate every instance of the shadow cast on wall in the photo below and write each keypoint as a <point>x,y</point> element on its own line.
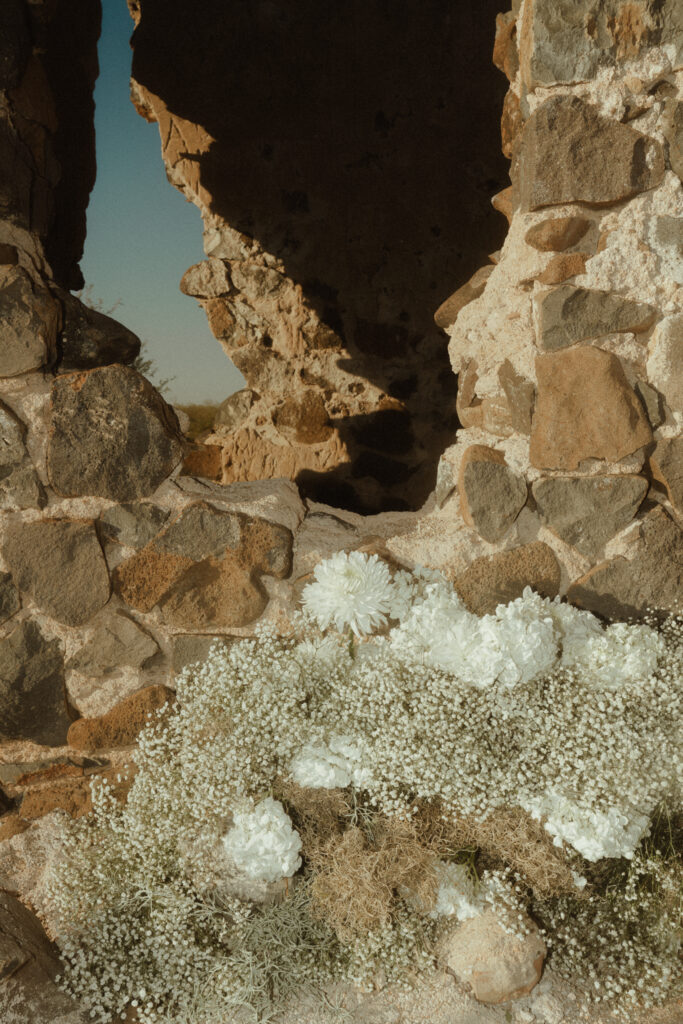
<point>358,142</point>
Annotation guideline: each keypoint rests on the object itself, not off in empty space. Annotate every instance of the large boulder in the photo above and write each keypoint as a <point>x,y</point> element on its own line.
<point>112,435</point>
<point>29,319</point>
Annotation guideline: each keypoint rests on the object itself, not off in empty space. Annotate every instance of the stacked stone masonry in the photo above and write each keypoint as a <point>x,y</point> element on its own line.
<point>118,567</point>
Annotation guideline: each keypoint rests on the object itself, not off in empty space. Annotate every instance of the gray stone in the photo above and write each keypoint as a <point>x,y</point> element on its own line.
<point>32,693</point>
<point>112,435</point>
<point>29,317</point>
<point>498,579</point>
<point>567,314</point>
<point>667,467</point>
<point>60,565</point>
<point>571,40</point>
<point>9,597</point>
<point>29,993</point>
<point>89,338</point>
<point>207,280</point>
<point>19,483</point>
<point>234,410</point>
<point>117,642</point>
<point>133,523</point>
<point>491,495</point>
<point>587,511</point>
<point>521,396</point>
<point>651,580</point>
<point>192,649</point>
<point>201,532</point>
<point>569,153</point>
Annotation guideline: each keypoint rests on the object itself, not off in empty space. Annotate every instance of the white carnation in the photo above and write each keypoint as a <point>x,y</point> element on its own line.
<point>333,766</point>
<point>616,656</point>
<point>350,589</point>
<point>594,834</point>
<point>456,896</point>
<point>262,842</point>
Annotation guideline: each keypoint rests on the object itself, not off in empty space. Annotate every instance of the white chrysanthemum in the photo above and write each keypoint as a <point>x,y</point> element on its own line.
<point>456,896</point>
<point>594,834</point>
<point>262,842</point>
<point>350,589</point>
<point>333,766</point>
<point>409,588</point>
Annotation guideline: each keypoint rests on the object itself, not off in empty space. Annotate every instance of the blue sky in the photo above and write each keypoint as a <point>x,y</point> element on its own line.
<point>142,235</point>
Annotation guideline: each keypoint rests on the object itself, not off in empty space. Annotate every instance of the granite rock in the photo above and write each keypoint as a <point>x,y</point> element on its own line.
<point>650,580</point>
<point>585,409</point>
<point>112,435</point>
<point>117,642</point>
<point>491,495</point>
<point>132,524</point>
<point>587,511</point>
<point>568,314</point>
<point>32,694</point>
<point>570,153</point>
<point>59,564</point>
<point>209,279</point>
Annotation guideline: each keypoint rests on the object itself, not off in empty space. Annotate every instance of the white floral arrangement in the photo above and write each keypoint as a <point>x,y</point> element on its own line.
<point>389,697</point>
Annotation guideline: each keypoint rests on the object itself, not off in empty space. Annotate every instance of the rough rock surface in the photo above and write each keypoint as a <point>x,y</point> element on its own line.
<point>587,511</point>
<point>650,579</point>
<point>666,462</point>
<point>120,726</point>
<point>32,694</point>
<point>496,579</point>
<point>491,495</point>
<point>59,564</point>
<point>568,314</point>
<point>112,435</point>
<point>116,642</point>
<point>89,338</point>
<point>498,967</point>
<point>305,284</point>
<point>29,966</point>
<point>204,568</point>
<point>10,602</point>
<point>665,359</point>
<point>30,318</point>
<point>448,311</point>
<point>19,483</point>
<point>570,153</point>
<point>234,410</point>
<point>132,524</point>
<point>555,234</point>
<point>585,409</point>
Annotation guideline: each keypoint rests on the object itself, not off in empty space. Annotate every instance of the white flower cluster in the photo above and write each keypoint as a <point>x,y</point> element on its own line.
<point>331,766</point>
<point>262,842</point>
<point>595,834</point>
<point>349,590</point>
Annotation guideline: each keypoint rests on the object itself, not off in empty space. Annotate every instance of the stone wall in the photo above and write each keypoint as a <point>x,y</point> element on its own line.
<point>343,159</point>
<point>570,362</point>
<point>118,566</point>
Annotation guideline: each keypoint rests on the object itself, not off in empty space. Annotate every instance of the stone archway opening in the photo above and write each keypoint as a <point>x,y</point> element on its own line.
<point>343,160</point>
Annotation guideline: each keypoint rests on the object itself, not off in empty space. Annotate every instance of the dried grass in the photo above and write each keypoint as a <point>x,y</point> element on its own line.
<point>358,880</point>
<point>508,837</point>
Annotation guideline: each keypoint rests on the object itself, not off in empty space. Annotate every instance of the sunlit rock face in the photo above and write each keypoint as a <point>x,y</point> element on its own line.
<point>343,157</point>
